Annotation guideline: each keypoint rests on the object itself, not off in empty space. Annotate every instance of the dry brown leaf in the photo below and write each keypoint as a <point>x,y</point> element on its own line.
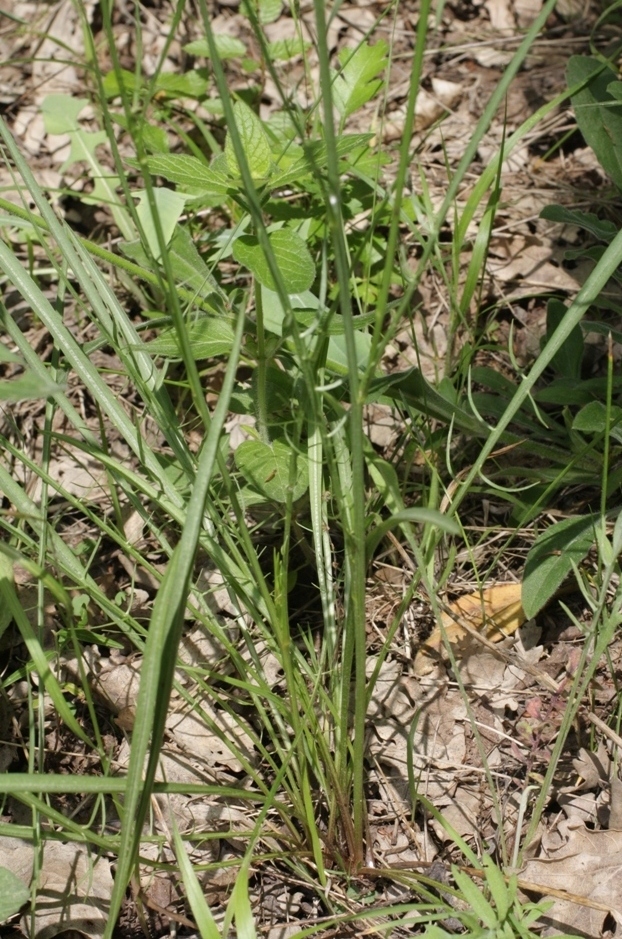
<point>73,887</point>
<point>496,612</point>
<point>527,264</point>
<point>588,866</point>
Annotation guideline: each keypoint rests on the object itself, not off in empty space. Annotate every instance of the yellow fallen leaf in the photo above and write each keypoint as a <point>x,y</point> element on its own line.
<point>495,612</point>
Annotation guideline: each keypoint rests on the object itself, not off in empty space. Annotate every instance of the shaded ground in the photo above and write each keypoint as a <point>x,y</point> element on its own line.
<point>517,690</point>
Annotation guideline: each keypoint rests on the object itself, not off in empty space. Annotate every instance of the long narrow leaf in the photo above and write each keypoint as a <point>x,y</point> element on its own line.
<point>161,651</point>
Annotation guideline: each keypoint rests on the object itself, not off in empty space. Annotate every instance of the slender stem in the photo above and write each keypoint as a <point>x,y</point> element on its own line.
<point>262,368</point>
<point>354,647</point>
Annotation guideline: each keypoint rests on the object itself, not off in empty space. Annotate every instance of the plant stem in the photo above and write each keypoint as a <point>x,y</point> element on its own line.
<point>262,369</point>
<point>354,646</point>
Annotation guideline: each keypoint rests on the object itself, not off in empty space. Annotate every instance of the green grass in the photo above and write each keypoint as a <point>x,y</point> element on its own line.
<point>293,338</point>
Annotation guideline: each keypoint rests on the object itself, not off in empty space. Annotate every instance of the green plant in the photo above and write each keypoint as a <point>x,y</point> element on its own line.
<point>308,311</point>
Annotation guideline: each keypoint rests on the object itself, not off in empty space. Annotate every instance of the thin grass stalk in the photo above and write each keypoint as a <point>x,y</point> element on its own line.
<point>592,288</point>
<point>431,242</point>
<point>161,650</point>
<point>378,335</point>
<point>181,329</point>
<point>594,647</point>
<point>116,261</point>
<point>354,647</point>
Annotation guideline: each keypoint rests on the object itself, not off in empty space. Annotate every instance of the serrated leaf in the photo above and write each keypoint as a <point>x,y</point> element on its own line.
<point>192,84</point>
<point>228,47</point>
<point>291,255</point>
<point>597,111</point>
<point>189,268</point>
<point>356,83</point>
<point>209,336</point>
<point>255,143</point>
<point>267,466</point>
<point>189,172</point>
<point>266,11</point>
<point>112,85</point>
<point>551,559</point>
<point>315,157</point>
<point>60,113</point>
<point>499,891</point>
<point>13,894</point>
<point>600,228</point>
<point>169,206</point>
<point>283,49</point>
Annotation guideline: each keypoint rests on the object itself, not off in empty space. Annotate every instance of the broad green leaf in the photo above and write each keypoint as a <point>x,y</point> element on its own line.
<point>82,150</point>
<point>598,112</point>
<point>60,113</point>
<point>267,466</point>
<point>129,81</point>
<point>552,557</point>
<point>189,172</point>
<point>228,47</point>
<point>153,137</point>
<point>208,335</point>
<point>255,143</point>
<point>562,391</point>
<point>592,419</point>
<point>192,84</point>
<point>337,356</point>
<point>169,206</point>
<point>7,356</point>
<point>266,11</point>
<point>356,83</point>
<point>602,229</point>
<point>274,314</point>
<point>306,308</point>
<point>291,255</point>
<point>495,881</point>
<point>284,49</point>
<point>13,894</point>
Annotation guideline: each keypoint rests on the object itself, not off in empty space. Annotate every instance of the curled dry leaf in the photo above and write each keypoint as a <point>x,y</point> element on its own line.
<point>495,613</point>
